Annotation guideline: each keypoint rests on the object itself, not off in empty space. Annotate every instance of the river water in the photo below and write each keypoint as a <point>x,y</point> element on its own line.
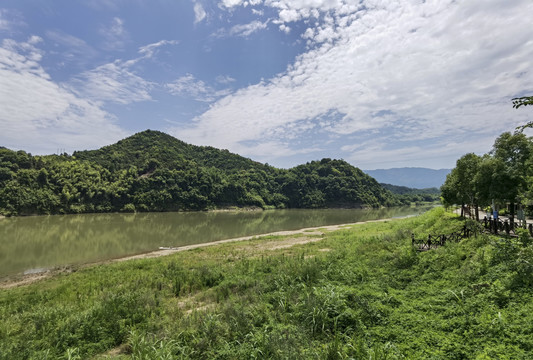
<point>32,244</point>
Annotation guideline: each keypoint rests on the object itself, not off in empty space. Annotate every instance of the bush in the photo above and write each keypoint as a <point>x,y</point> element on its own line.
<point>129,208</point>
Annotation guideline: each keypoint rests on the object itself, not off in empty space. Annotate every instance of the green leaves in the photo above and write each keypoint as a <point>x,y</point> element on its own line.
<point>522,101</point>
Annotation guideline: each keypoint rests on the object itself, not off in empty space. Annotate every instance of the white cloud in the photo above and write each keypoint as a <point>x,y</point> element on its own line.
<point>232,3</point>
<point>150,50</point>
<point>35,110</point>
<point>5,23</point>
<point>247,29</point>
<point>115,34</point>
<point>242,30</point>
<point>224,79</point>
<point>112,82</point>
<point>438,68</point>
<point>70,48</point>
<point>286,29</point>
<point>117,82</point>
<point>199,12</point>
<point>189,86</point>
<point>10,19</point>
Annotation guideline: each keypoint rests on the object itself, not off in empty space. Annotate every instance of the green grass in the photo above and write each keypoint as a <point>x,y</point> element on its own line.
<point>360,293</point>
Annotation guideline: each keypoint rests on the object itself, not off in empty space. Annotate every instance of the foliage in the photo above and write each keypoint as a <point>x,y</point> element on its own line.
<point>522,101</point>
<point>503,175</point>
<point>152,171</point>
<point>361,293</point>
<point>408,195</point>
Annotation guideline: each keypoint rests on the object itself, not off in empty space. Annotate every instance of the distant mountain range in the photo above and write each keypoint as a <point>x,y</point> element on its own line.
<point>413,177</point>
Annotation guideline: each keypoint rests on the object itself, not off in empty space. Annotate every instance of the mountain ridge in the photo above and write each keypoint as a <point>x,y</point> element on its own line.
<point>153,171</point>
<point>412,177</point>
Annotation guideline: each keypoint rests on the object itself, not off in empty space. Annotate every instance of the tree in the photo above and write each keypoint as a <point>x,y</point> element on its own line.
<point>523,101</point>
<point>448,190</point>
<point>491,180</point>
<point>459,186</point>
<point>514,151</point>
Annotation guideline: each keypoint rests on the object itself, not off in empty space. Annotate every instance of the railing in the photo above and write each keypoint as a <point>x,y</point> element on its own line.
<point>498,226</point>
<point>494,226</point>
<point>434,241</point>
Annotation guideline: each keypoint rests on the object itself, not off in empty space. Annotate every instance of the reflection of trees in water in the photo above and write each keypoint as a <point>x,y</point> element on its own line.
<point>47,241</point>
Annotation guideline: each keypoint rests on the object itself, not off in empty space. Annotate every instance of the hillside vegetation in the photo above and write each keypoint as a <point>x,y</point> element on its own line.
<point>152,171</point>
<point>358,293</point>
<point>407,194</point>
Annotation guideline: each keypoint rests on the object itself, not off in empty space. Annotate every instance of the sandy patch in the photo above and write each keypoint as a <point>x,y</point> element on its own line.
<point>287,243</point>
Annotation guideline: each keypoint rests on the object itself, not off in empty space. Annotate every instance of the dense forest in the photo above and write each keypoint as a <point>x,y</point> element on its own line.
<point>153,171</point>
<point>502,178</point>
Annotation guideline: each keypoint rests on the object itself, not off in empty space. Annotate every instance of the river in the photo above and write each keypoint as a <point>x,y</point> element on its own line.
<point>35,243</point>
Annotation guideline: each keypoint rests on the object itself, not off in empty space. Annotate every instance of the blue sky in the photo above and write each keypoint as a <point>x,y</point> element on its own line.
<point>378,83</point>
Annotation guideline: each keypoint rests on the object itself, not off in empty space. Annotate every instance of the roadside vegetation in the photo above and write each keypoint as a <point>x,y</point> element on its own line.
<point>363,293</point>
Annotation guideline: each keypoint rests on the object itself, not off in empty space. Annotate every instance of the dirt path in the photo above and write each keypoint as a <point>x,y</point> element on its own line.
<point>21,279</point>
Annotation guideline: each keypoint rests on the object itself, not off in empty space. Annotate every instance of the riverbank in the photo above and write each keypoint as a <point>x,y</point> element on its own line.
<point>16,280</point>
<point>355,292</point>
<point>359,292</point>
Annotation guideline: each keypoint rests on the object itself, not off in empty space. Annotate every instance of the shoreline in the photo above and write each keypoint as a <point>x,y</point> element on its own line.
<point>21,279</point>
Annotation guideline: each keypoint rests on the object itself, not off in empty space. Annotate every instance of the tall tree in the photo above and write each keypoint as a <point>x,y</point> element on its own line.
<point>459,186</point>
<point>514,151</point>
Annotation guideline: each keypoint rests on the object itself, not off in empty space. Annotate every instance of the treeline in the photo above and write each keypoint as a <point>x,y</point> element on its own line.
<point>152,171</point>
<point>502,176</point>
<point>408,195</point>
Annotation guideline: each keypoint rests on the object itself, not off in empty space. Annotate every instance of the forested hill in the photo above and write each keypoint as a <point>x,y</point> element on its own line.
<point>407,194</point>
<point>152,171</point>
<point>149,149</point>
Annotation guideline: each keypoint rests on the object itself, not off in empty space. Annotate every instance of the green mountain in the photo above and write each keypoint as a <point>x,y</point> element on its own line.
<point>149,149</point>
<point>153,171</point>
<point>407,194</point>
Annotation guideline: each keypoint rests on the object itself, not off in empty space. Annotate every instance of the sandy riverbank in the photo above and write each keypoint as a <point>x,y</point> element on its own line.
<point>25,279</point>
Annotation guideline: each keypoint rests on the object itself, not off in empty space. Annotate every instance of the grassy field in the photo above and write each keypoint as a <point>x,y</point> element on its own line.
<point>358,293</point>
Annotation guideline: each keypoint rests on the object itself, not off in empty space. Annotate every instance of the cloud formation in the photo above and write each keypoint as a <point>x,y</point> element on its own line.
<point>34,109</point>
<point>114,34</point>
<point>10,19</point>
<point>199,12</point>
<point>116,82</point>
<point>242,30</point>
<point>189,87</point>
<point>148,51</point>
<point>389,70</point>
<point>113,82</point>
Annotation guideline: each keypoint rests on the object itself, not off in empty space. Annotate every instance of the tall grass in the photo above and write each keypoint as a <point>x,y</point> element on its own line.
<point>359,293</point>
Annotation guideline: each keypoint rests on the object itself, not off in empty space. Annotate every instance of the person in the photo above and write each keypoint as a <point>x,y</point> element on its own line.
<point>521,217</point>
<point>495,215</point>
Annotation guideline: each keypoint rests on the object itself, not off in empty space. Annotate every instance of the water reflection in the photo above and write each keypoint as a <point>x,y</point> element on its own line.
<point>47,241</point>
